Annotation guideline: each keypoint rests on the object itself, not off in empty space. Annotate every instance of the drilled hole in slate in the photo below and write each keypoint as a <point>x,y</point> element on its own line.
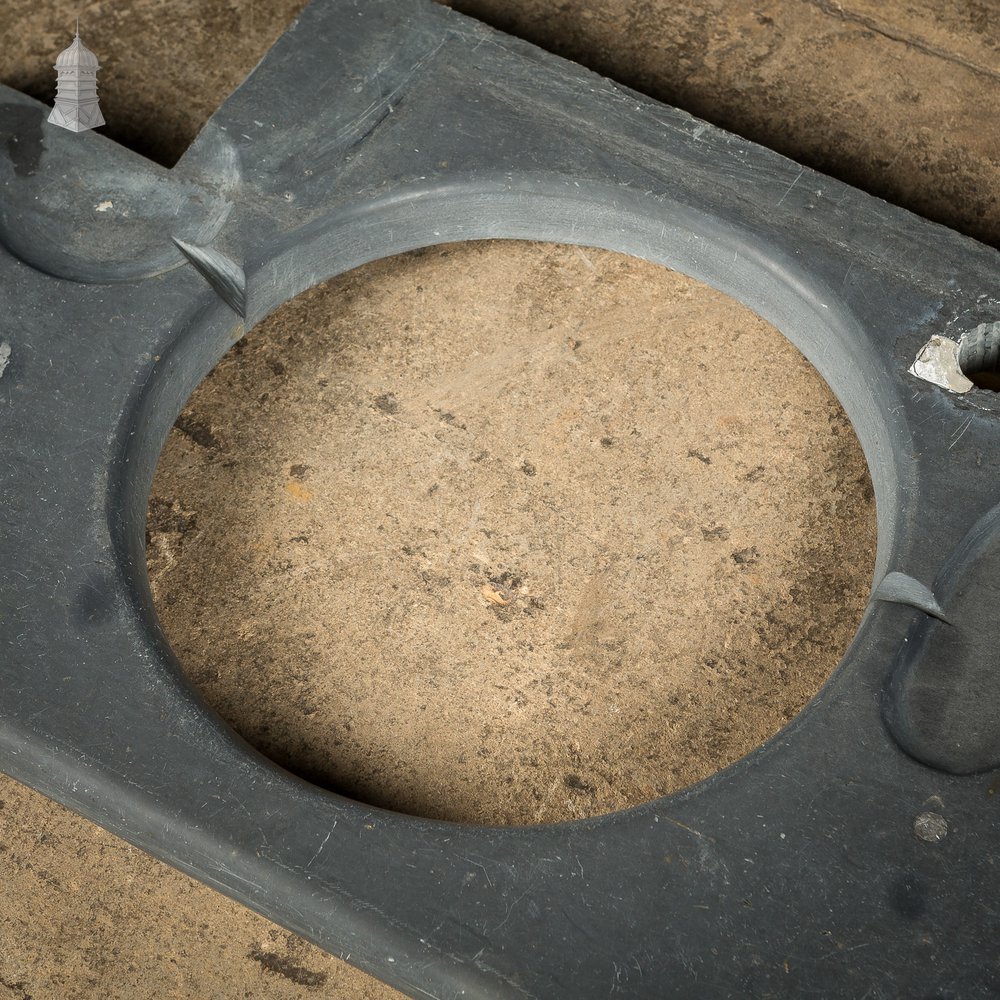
<point>979,356</point>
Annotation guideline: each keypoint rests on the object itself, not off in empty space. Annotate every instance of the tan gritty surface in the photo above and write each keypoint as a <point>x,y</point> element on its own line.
<point>510,533</point>
<point>497,532</point>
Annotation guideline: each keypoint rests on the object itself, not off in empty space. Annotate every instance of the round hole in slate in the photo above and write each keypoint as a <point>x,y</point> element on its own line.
<point>509,532</point>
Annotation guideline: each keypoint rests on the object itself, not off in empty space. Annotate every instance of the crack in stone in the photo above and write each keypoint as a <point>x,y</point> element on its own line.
<point>834,9</point>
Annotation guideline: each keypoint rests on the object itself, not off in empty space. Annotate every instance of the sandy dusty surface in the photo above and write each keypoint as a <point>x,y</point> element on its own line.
<point>511,533</point>
<point>497,532</point>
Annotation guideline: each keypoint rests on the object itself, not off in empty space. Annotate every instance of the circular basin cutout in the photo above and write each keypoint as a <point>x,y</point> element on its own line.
<point>509,532</point>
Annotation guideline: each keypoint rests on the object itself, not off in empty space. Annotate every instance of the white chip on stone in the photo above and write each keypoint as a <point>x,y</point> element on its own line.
<point>937,363</point>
